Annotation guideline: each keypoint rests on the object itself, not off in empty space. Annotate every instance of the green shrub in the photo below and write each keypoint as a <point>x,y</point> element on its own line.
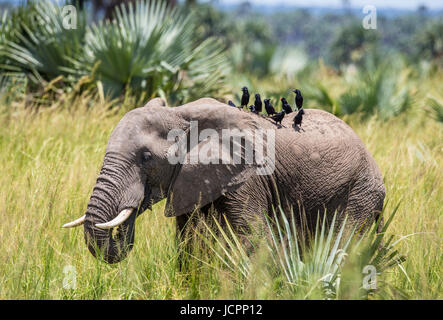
<point>41,47</point>
<point>429,42</point>
<point>148,50</point>
<point>310,264</point>
<point>384,88</point>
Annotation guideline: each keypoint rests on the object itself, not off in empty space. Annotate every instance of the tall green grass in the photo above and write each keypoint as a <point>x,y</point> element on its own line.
<point>50,159</point>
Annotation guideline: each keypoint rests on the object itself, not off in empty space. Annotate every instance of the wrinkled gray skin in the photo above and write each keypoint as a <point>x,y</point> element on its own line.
<point>322,165</point>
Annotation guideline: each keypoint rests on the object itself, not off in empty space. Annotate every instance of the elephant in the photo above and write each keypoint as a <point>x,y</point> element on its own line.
<point>320,167</point>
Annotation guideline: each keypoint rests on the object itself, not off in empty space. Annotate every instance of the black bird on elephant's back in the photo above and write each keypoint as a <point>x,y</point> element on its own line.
<point>245,97</point>
<point>286,106</point>
<point>279,117</point>
<point>231,104</point>
<point>269,107</point>
<point>298,118</point>
<point>257,103</point>
<point>252,108</point>
<point>298,99</point>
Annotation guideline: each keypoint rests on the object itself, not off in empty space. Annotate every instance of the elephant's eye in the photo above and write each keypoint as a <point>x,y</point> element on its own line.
<point>146,156</point>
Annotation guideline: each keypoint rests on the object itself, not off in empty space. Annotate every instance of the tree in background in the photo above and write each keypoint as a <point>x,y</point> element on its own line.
<point>429,42</point>
<point>247,34</point>
<point>351,43</point>
<point>148,49</point>
<point>107,7</point>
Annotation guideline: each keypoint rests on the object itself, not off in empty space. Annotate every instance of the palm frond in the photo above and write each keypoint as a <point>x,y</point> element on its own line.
<point>384,88</point>
<point>150,48</point>
<point>42,46</point>
<point>436,109</point>
<point>314,267</point>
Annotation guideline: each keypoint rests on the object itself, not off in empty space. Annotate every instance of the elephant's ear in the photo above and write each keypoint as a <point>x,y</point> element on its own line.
<point>159,102</point>
<point>196,183</point>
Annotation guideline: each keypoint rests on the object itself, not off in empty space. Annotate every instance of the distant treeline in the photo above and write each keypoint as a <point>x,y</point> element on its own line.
<point>330,34</point>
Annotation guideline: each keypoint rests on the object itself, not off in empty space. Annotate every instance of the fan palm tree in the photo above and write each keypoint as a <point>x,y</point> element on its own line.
<point>150,47</point>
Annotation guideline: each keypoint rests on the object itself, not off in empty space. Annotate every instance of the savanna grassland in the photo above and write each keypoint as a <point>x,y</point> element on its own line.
<point>50,158</point>
<point>63,90</point>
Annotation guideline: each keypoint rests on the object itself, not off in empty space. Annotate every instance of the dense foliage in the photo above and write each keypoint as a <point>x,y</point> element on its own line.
<point>152,49</point>
<point>331,35</point>
<point>147,50</point>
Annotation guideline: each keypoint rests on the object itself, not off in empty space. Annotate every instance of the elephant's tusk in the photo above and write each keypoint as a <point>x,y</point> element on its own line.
<point>75,223</point>
<point>122,217</point>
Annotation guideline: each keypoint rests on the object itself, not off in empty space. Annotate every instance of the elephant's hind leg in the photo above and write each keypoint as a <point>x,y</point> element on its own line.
<point>365,206</point>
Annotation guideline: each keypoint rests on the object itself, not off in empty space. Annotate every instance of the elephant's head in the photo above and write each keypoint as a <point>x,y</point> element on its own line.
<point>137,172</point>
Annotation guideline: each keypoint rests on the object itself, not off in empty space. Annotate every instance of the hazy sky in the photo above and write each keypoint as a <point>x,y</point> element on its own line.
<point>401,4</point>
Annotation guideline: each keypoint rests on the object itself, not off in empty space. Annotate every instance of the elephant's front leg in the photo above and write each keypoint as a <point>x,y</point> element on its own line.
<point>183,239</point>
<point>242,212</point>
<point>188,228</point>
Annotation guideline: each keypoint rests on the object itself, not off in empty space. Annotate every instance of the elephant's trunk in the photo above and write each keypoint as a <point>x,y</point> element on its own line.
<point>103,244</point>
<point>108,199</point>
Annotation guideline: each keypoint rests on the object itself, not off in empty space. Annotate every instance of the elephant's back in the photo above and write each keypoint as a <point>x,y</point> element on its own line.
<point>320,125</point>
<point>325,155</point>
<point>321,131</point>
